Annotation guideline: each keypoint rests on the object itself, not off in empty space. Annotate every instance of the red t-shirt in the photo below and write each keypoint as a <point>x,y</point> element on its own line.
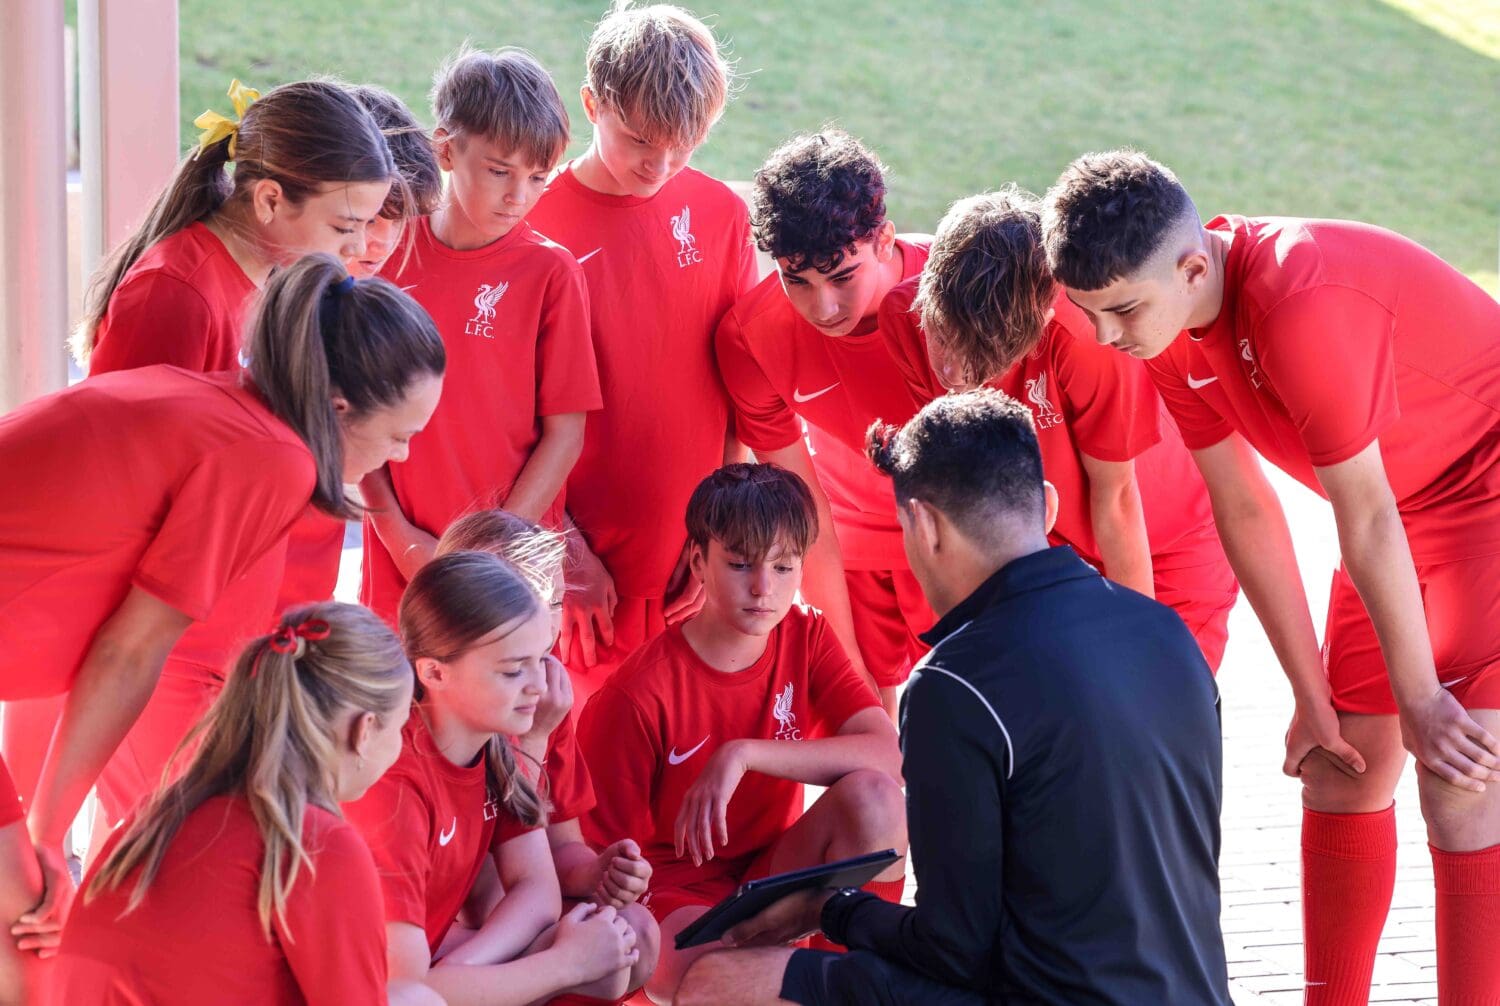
<point>430,823</point>
<point>780,370</point>
<point>314,550</point>
<point>514,317</point>
<point>197,936</point>
<point>1333,334</point>
<point>665,712</point>
<point>661,271</point>
<point>1084,399</point>
<point>570,788</point>
<point>175,482</point>
<point>183,303</point>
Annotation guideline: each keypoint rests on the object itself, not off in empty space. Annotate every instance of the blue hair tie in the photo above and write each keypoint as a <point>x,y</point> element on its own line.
<point>333,300</point>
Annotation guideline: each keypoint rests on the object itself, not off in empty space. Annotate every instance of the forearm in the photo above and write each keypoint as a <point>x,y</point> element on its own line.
<point>1120,531</point>
<point>531,979</point>
<point>527,909</point>
<point>577,869</point>
<point>819,762</point>
<point>409,546</point>
<point>545,472</point>
<point>1378,558</point>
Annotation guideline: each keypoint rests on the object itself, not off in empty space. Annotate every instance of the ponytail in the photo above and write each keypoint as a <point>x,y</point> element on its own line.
<point>453,602</point>
<point>317,333</point>
<point>271,737</point>
<point>301,135</point>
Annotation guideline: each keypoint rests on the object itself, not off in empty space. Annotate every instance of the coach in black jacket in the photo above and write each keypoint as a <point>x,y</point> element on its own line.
<point>1062,764</point>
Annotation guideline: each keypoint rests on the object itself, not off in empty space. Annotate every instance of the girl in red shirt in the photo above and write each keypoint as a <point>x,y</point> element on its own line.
<point>200,476</point>
<point>479,638</point>
<point>240,882</point>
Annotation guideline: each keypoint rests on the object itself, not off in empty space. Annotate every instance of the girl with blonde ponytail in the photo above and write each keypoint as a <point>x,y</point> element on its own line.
<point>241,882</point>
<point>479,636</point>
<point>173,488</point>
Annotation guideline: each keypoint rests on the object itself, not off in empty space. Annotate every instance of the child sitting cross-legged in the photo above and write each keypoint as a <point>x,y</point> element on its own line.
<point>710,730</point>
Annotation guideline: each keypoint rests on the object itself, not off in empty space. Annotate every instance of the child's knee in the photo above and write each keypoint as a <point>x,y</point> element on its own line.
<point>647,943</point>
<point>872,803</point>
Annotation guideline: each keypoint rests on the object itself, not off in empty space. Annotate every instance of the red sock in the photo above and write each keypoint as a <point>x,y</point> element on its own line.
<point>1468,919</point>
<point>1348,874</point>
<point>890,890</point>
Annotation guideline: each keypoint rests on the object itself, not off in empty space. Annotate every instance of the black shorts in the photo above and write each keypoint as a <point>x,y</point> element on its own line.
<point>860,978</point>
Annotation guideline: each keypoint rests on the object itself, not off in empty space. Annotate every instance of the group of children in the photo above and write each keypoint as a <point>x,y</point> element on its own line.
<point>536,367</point>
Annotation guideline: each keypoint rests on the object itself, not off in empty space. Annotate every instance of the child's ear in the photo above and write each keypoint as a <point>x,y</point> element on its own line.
<point>266,200</point>
<point>696,560</point>
<point>442,148</point>
<point>590,104</point>
<point>885,241</point>
<point>361,730</point>
<point>432,673</point>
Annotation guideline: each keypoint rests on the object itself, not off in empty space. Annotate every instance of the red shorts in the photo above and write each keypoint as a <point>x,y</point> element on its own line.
<point>637,620</point>
<point>1202,596</point>
<point>11,810</point>
<point>889,610</point>
<point>716,883</point>
<point>1462,605</point>
<point>182,696</point>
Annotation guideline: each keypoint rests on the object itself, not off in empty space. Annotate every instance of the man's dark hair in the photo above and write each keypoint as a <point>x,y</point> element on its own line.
<point>973,456</point>
<point>816,196</point>
<point>750,509</point>
<point>1107,215</point>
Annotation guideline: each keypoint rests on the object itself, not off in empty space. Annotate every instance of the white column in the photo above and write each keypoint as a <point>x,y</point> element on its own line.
<point>33,203</point>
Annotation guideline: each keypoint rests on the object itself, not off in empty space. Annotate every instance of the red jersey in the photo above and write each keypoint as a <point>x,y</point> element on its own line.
<point>780,370</point>
<point>664,713</point>
<point>191,483</point>
<point>514,318</point>
<point>1333,334</point>
<point>661,271</point>
<point>570,788</point>
<point>182,303</point>
<point>314,550</point>
<point>197,936</point>
<point>430,823</point>
<point>1085,399</point>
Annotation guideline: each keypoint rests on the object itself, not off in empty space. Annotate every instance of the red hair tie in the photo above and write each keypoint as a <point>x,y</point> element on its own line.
<point>293,639</point>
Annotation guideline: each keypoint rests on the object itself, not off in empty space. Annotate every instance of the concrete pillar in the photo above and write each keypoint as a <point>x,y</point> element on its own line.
<point>33,202</point>
<point>128,128</point>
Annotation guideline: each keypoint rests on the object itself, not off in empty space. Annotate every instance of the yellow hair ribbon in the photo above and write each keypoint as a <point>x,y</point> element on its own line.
<point>215,126</point>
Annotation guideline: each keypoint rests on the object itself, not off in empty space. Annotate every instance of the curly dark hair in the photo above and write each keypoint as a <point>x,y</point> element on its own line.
<point>1107,215</point>
<point>974,456</point>
<point>815,197</point>
<point>986,290</point>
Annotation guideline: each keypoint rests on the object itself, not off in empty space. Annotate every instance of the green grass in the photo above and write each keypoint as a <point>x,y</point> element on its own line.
<point>1385,112</point>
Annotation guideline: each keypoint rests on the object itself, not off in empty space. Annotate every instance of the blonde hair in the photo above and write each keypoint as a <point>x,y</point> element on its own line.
<point>453,602</point>
<point>661,70</point>
<point>505,97</point>
<point>301,135</point>
<point>271,737</point>
<point>535,551</point>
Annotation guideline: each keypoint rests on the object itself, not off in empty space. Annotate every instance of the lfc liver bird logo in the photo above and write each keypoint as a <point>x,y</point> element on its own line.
<point>1036,392</point>
<point>486,299</point>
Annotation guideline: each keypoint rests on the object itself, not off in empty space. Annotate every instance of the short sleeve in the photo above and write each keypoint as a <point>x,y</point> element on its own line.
<point>233,507</point>
<point>567,372</point>
<point>1199,423</point>
<point>154,318</point>
<point>335,946</point>
<point>507,827</point>
<point>1111,405</point>
<point>569,786</point>
<point>762,418</point>
<point>835,687</point>
<point>1331,330</point>
<point>901,329</point>
<point>613,731</point>
<point>396,823</point>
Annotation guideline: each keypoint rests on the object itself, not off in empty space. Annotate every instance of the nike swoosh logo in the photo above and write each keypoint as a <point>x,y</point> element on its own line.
<point>674,758</point>
<point>1195,384</point>
<point>799,397</point>
<point>447,836</point>
<point>1450,684</point>
<point>584,258</point>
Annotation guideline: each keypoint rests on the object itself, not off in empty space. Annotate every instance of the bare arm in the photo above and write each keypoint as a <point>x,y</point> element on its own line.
<point>409,546</point>
<point>823,584</point>
<point>1375,551</point>
<point>1119,523</point>
<point>543,475</point>
<point>531,904</point>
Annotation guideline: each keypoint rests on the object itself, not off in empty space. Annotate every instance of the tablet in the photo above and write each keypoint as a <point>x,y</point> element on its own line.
<point>755,896</point>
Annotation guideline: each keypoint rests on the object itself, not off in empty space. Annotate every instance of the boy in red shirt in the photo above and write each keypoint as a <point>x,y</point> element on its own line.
<point>711,729</point>
<point>1368,369</point>
<point>512,308</point>
<point>666,250</point>
<point>805,344</point>
<point>1130,501</point>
